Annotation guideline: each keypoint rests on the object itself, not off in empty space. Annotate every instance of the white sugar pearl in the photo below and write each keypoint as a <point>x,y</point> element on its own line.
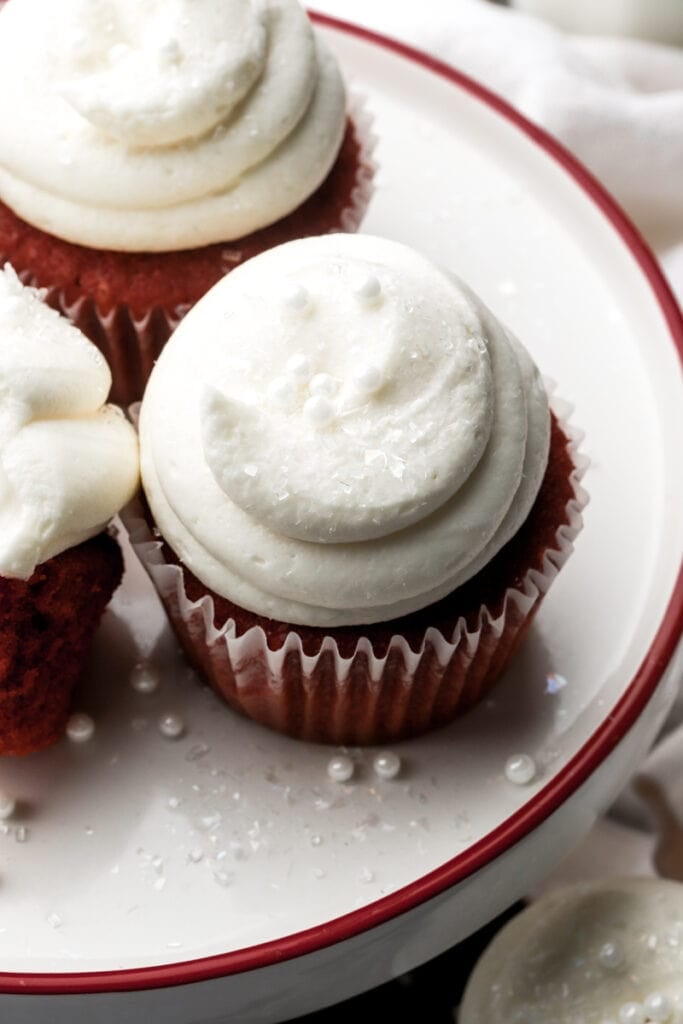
<point>80,728</point>
<point>297,298</point>
<point>299,366</point>
<point>367,379</point>
<point>520,769</point>
<point>145,677</point>
<point>632,1013</point>
<point>282,392</point>
<point>7,805</point>
<point>367,289</point>
<point>340,768</point>
<point>323,384</point>
<point>386,764</point>
<point>319,411</point>
<point>658,1007</point>
<point>171,726</point>
<point>610,955</point>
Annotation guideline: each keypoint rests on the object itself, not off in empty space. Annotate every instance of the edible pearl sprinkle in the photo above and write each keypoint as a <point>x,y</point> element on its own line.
<point>296,297</point>
<point>340,768</point>
<point>658,1007</point>
<point>319,411</point>
<point>282,391</point>
<point>368,289</point>
<point>299,366</point>
<point>7,806</point>
<point>80,728</point>
<point>144,677</point>
<point>367,379</point>
<point>386,765</point>
<point>323,384</point>
<point>520,769</point>
<point>171,726</point>
<point>632,1013</point>
<point>610,955</point>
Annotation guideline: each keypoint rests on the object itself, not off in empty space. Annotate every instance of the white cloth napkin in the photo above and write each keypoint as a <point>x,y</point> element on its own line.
<point>617,104</point>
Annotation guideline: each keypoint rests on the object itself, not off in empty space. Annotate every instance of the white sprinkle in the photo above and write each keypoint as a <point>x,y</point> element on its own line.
<point>250,469</point>
<point>54,920</point>
<point>366,875</point>
<point>520,769</point>
<point>316,840</point>
<point>299,366</point>
<point>323,384</point>
<point>21,834</point>
<point>144,677</point>
<point>282,392</point>
<point>159,884</point>
<point>478,344</point>
<point>194,856</point>
<point>223,878</point>
<point>554,682</point>
<point>173,803</point>
<point>319,873</point>
<point>367,289</point>
<point>610,955</point>
<point>507,288</point>
<point>658,1007</point>
<point>319,411</point>
<point>296,297</point>
<point>171,726</point>
<point>632,1013</point>
<point>169,53</point>
<point>386,764</point>
<point>8,805</point>
<point>367,379</point>
<point>340,768</point>
<point>80,728</point>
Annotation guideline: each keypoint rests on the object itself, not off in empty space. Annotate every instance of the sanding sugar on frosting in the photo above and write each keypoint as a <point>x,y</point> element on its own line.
<point>166,124</point>
<point>68,461</point>
<point>340,432</point>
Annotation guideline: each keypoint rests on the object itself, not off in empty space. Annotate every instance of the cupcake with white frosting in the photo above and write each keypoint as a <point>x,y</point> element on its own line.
<point>153,147</point>
<point>608,952</point>
<point>360,488</point>
<point>68,462</point>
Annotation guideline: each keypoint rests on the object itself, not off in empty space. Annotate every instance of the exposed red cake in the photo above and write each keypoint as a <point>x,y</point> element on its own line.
<point>129,303</point>
<point>307,701</point>
<point>47,624</point>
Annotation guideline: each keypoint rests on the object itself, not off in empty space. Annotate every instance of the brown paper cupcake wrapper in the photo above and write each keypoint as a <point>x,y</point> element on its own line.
<point>131,344</point>
<point>365,698</point>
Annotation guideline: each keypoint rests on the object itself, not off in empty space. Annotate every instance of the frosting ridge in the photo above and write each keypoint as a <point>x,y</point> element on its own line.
<point>68,461</point>
<point>368,441</point>
<point>164,125</point>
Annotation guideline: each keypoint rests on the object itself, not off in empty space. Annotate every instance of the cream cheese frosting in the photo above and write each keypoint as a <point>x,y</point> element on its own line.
<point>598,953</point>
<point>340,432</point>
<point>166,124</point>
<point>68,461</point>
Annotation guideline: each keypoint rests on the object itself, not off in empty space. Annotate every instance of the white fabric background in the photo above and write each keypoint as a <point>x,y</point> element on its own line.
<point>617,104</point>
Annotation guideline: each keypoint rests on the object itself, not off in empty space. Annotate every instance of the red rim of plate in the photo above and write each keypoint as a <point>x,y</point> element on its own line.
<point>548,799</point>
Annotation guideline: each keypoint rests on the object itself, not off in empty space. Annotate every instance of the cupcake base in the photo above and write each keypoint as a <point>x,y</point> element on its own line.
<point>387,681</point>
<point>46,627</point>
<point>128,304</point>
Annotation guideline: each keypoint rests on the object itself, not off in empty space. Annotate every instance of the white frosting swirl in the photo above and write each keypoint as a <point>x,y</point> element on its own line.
<point>68,462</point>
<point>340,432</point>
<point>165,124</point>
<point>592,953</point>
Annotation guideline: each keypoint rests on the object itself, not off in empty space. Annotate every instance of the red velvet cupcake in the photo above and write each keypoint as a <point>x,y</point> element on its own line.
<point>149,154</point>
<point>358,498</point>
<point>67,464</point>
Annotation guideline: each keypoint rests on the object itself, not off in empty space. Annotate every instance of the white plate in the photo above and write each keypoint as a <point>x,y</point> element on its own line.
<point>227,858</point>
